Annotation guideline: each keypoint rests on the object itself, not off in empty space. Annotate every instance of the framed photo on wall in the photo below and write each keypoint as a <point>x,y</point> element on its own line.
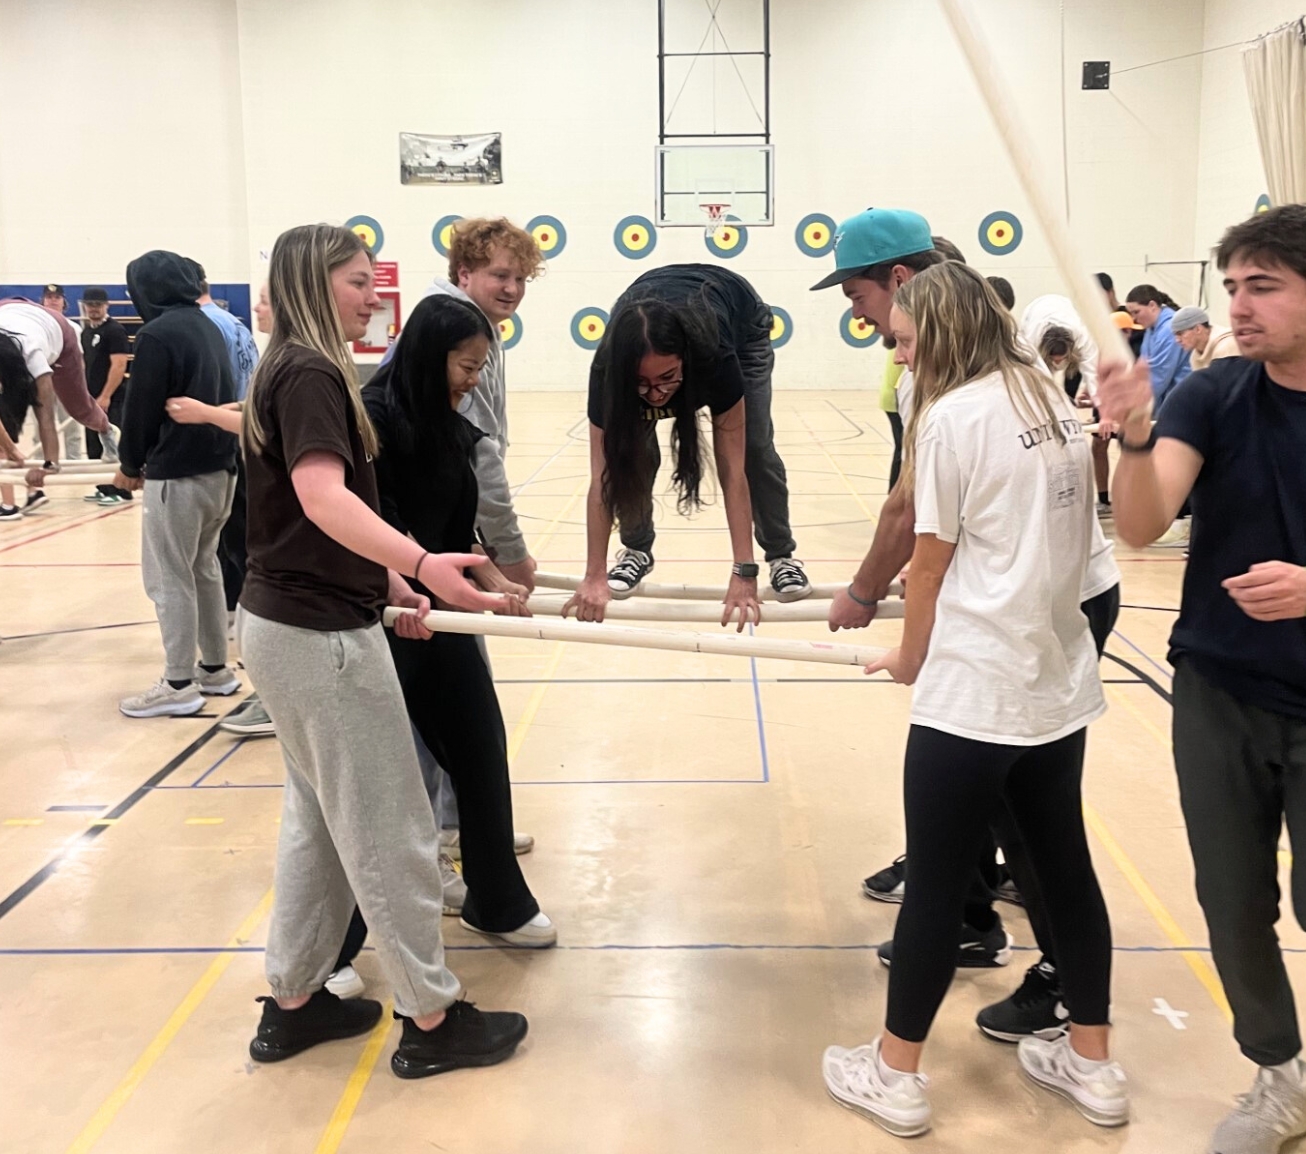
<point>425,159</point>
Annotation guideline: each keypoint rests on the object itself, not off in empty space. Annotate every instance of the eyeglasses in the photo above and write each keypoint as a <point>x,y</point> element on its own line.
<point>660,386</point>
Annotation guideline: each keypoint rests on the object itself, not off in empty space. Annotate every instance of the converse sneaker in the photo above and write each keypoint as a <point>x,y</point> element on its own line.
<point>10,513</point>
<point>1035,1010</point>
<point>1272,1113</point>
<point>466,1037</point>
<point>455,889</point>
<point>977,951</point>
<point>451,843</point>
<point>220,683</point>
<point>859,1081</point>
<point>788,579</point>
<point>35,499</point>
<point>162,700</point>
<point>537,934</point>
<point>890,884</point>
<point>345,983</point>
<point>323,1018</point>
<point>1098,1090</point>
<point>248,720</point>
<point>631,567</point>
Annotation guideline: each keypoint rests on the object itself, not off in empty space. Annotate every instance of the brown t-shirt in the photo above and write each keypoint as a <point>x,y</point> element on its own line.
<point>296,574</point>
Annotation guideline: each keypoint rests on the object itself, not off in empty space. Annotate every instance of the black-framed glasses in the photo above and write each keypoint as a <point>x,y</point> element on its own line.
<point>658,386</point>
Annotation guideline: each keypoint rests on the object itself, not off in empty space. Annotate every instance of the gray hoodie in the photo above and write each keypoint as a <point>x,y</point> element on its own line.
<point>486,406</point>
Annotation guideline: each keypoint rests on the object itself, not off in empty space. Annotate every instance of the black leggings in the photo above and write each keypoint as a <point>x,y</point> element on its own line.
<point>951,788</point>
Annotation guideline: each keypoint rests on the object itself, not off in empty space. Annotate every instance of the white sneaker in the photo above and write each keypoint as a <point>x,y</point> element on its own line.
<point>345,983</point>
<point>451,843</point>
<point>1175,537</point>
<point>1101,1094</point>
<point>537,934</point>
<point>162,700</point>
<point>1272,1113</point>
<point>220,683</point>
<point>859,1081</point>
<point>455,889</point>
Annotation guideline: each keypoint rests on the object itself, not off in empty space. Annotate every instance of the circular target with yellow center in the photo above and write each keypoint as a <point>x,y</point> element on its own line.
<point>782,326</point>
<point>1000,233</point>
<point>861,334</point>
<point>369,229</point>
<point>510,329</point>
<point>729,240</point>
<point>1263,203</point>
<point>549,234</point>
<point>442,233</point>
<point>815,234</point>
<point>588,327</point>
<point>634,237</point>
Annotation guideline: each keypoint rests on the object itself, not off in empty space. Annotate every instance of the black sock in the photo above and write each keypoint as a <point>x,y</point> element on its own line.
<point>1103,497</point>
<point>211,668</point>
<point>185,681</point>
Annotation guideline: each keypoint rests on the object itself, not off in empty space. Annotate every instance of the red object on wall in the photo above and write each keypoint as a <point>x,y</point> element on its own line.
<point>387,274</point>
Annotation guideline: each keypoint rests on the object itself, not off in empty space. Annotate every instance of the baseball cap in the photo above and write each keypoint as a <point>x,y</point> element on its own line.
<point>873,237</point>
<point>1124,322</point>
<point>95,294</point>
<point>1189,317</point>
<point>52,290</point>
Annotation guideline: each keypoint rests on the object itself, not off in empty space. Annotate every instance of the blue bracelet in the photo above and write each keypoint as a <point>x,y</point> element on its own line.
<point>859,601</point>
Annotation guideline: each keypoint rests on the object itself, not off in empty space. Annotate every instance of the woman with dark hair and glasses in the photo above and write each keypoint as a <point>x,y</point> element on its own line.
<point>680,339</point>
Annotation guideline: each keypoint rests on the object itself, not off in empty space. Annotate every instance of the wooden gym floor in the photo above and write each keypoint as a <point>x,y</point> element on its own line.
<point>703,825</point>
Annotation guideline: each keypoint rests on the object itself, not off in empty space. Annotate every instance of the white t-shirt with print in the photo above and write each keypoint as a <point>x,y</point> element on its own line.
<point>37,331</point>
<point>1011,660</point>
<point>1102,573</point>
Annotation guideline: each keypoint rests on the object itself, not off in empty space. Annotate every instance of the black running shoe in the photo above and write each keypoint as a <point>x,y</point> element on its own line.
<point>889,884</point>
<point>1036,1010</point>
<point>630,568</point>
<point>323,1018</point>
<point>977,951</point>
<point>466,1037</point>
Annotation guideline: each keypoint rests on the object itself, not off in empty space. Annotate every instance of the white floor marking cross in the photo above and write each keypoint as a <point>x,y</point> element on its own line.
<point>1175,1017</point>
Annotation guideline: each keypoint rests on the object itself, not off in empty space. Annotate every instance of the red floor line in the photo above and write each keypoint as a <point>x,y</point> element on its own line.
<point>60,529</point>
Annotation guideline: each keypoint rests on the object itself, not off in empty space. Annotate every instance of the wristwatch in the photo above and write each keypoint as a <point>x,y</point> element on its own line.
<point>1146,447</point>
<point>748,570</point>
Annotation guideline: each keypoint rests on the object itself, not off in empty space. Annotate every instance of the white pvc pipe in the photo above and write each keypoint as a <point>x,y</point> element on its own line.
<point>83,466</point>
<point>650,610</point>
<point>696,592</point>
<point>18,477</point>
<point>729,644</point>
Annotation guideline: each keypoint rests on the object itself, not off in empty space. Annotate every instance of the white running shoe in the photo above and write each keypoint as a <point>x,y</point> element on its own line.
<point>1272,1113</point>
<point>451,843</point>
<point>455,889</point>
<point>538,934</point>
<point>220,683</point>
<point>345,983</point>
<point>1175,537</point>
<point>161,700</point>
<point>859,1081</point>
<point>1101,1093</point>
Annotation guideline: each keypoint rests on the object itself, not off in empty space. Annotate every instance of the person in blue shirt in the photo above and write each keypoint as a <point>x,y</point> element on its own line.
<point>242,352</point>
<point>1166,358</point>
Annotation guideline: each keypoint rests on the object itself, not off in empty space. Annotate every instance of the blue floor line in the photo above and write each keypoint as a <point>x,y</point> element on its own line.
<point>196,783</point>
<point>761,722</point>
<point>1146,657</point>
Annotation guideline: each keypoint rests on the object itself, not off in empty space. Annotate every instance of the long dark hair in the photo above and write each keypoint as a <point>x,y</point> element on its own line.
<point>416,379</point>
<point>15,378</point>
<point>1146,294</point>
<point>645,326</point>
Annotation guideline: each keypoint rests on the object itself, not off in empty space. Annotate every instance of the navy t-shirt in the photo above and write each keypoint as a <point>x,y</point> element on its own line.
<point>738,315</point>
<point>1249,506</point>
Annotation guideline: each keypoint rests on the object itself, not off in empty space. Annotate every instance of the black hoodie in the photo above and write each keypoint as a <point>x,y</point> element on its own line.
<point>179,353</point>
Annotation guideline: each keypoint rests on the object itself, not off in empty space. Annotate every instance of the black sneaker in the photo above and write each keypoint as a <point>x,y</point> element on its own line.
<point>466,1037</point>
<point>890,884</point>
<point>35,499</point>
<point>788,579</point>
<point>323,1018</point>
<point>630,568</point>
<point>10,513</point>
<point>1036,1010</point>
<point>100,491</point>
<point>977,951</point>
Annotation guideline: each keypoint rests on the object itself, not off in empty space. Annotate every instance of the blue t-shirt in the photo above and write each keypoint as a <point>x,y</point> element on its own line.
<point>1249,506</point>
<point>1167,359</point>
<point>242,352</point>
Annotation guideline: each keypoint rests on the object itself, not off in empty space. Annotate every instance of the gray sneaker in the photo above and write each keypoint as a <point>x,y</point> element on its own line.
<point>220,683</point>
<point>162,700</point>
<point>455,889</point>
<point>1274,1112</point>
<point>249,720</point>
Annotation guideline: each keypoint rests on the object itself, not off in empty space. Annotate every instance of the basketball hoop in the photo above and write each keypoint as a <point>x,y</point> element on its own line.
<point>716,216</point>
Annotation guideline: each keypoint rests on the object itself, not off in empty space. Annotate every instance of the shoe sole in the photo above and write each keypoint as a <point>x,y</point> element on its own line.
<point>164,711</point>
<point>1110,1121</point>
<point>897,1129</point>
<point>268,730</point>
<point>876,896</point>
<point>793,594</point>
<point>404,1068</point>
<point>456,852</point>
<point>1048,1034</point>
<point>218,691</point>
<point>970,962</point>
<point>503,939</point>
<point>622,594</point>
<point>268,1056</point>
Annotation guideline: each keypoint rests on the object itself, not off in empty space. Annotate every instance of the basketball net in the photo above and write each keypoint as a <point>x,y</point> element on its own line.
<point>716,217</point>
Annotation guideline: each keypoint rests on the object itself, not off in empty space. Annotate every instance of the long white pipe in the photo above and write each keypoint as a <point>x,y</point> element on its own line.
<point>18,477</point>
<point>729,644</point>
<point>649,610</point>
<point>695,592</point>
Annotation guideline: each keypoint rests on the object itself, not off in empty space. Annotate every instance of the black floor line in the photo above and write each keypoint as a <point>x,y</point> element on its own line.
<point>82,629</point>
<point>1150,682</point>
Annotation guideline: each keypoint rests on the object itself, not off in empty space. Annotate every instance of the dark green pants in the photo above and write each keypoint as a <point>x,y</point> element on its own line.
<point>1242,771</point>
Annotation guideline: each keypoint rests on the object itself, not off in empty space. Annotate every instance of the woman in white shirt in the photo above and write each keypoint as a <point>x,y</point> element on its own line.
<point>1006,681</point>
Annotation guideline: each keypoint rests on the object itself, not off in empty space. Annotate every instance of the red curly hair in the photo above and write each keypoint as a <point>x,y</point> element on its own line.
<point>475,239</point>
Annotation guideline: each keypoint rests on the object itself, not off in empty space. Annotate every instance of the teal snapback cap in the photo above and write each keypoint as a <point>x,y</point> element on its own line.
<point>873,237</point>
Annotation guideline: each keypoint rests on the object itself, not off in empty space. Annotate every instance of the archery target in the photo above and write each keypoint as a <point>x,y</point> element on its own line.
<point>729,240</point>
<point>588,327</point>
<point>782,326</point>
<point>442,233</point>
<point>858,333</point>
<point>511,330</point>
<point>1000,233</point>
<point>634,237</point>
<point>549,233</point>
<point>369,228</point>
<point>1263,203</point>
<point>815,234</point>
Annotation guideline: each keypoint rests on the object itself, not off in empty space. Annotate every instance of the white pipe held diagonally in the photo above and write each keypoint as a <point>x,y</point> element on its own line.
<point>728,644</point>
<point>648,609</point>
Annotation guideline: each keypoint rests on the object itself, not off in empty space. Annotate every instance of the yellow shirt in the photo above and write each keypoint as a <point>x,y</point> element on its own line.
<point>888,388</point>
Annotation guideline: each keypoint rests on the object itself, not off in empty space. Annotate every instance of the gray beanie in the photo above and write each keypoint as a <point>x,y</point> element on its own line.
<point>1189,317</point>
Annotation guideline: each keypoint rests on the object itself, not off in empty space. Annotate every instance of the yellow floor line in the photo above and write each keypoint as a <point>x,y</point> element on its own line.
<point>533,704</point>
<point>334,1134</point>
<point>1142,719</point>
<point>871,517</point>
<point>122,1093</point>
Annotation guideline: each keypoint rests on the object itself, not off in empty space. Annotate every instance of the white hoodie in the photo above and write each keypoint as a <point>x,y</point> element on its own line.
<point>1054,311</point>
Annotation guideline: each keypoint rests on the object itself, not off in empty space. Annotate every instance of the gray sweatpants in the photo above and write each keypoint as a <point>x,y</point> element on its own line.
<point>356,822</point>
<point>179,564</point>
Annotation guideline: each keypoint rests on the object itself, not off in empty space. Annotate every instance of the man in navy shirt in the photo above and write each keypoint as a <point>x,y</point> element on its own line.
<point>1232,440</point>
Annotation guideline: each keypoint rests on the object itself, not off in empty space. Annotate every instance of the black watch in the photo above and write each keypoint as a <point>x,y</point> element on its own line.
<point>1146,447</point>
<point>748,570</point>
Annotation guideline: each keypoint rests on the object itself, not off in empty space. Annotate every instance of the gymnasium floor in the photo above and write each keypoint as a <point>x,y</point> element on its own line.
<point>703,825</point>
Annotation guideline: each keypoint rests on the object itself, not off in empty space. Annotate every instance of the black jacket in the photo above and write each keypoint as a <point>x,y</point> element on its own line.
<point>179,353</point>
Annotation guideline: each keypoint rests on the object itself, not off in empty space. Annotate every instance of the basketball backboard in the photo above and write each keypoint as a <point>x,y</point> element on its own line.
<point>687,176</point>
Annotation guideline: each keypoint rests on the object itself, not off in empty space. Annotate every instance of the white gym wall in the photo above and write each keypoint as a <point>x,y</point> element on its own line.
<point>210,125</point>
